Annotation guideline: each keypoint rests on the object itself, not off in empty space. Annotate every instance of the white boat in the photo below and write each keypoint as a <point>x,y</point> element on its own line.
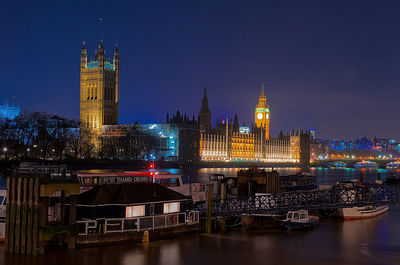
<point>3,194</point>
<point>351,213</point>
<point>393,165</point>
<point>366,164</point>
<point>300,220</point>
<point>365,212</point>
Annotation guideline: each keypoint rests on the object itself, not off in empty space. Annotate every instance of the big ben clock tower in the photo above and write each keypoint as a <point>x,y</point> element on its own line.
<point>262,114</point>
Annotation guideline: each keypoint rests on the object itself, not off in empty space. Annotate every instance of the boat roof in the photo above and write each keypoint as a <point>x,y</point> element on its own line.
<point>299,211</point>
<point>128,193</point>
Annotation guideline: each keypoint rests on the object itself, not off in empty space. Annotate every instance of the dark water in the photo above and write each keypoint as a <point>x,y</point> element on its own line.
<point>371,241</point>
<point>324,175</point>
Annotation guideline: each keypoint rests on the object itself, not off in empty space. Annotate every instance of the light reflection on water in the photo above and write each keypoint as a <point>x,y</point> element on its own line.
<point>371,241</point>
<point>324,175</point>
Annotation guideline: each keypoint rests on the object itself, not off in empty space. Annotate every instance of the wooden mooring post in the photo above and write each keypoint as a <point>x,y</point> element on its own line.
<point>223,197</point>
<point>27,227</point>
<point>209,208</point>
<point>20,225</point>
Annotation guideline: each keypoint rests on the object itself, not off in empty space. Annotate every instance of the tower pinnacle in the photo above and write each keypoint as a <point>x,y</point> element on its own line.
<point>101,31</point>
<point>262,90</point>
<point>205,114</point>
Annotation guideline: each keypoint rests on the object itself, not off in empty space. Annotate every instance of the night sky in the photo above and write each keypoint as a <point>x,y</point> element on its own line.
<point>329,65</point>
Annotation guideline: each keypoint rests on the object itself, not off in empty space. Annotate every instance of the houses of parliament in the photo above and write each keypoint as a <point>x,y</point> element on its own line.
<point>99,89</point>
<point>230,142</point>
<point>182,138</point>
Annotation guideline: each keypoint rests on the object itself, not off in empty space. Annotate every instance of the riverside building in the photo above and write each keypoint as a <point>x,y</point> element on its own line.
<point>228,142</point>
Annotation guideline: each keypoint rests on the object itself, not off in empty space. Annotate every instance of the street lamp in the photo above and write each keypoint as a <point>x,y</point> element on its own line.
<point>5,152</point>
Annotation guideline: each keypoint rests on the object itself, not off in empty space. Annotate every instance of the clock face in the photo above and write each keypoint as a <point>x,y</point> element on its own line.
<point>260,116</point>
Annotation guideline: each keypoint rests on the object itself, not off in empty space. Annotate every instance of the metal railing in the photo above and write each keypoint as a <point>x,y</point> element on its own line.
<point>121,225</point>
<point>328,199</point>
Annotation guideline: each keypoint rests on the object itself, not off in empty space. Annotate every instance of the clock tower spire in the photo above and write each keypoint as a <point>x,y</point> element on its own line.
<point>262,113</point>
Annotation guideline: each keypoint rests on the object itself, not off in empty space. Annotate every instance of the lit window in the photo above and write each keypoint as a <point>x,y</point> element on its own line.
<point>134,211</point>
<point>171,207</point>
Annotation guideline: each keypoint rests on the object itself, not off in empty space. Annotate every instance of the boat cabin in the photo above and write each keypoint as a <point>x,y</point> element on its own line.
<point>297,216</point>
<point>132,206</point>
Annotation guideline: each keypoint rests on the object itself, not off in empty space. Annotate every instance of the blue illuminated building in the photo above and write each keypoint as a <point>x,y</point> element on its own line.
<point>244,129</point>
<point>95,64</point>
<point>9,111</point>
<point>168,137</point>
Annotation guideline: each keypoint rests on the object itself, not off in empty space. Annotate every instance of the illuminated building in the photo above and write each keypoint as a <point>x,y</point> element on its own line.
<point>312,133</point>
<point>229,142</point>
<point>242,146</point>
<point>177,140</point>
<point>213,147</point>
<point>244,129</point>
<point>9,111</point>
<point>262,114</point>
<point>138,135</point>
<point>99,89</point>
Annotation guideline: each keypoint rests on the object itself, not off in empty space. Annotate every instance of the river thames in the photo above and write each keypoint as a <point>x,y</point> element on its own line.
<point>371,241</point>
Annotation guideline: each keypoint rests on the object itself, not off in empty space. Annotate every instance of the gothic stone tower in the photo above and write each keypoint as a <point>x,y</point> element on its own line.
<point>262,114</point>
<point>205,114</point>
<point>99,95</point>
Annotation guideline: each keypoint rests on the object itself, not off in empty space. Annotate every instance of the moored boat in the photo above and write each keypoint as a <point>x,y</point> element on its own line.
<point>300,220</point>
<point>366,164</point>
<point>365,212</point>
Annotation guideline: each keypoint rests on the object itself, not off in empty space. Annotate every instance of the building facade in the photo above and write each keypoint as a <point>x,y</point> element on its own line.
<point>176,140</point>
<point>99,89</point>
<point>9,111</point>
<point>237,147</point>
<point>229,142</point>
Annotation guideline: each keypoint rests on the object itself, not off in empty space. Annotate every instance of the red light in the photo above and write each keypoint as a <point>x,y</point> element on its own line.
<point>152,173</point>
<point>151,165</point>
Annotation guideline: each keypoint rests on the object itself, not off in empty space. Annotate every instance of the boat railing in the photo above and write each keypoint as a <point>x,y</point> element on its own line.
<point>137,224</point>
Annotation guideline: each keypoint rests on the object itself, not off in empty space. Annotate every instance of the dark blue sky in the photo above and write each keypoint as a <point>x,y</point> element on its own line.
<point>331,65</point>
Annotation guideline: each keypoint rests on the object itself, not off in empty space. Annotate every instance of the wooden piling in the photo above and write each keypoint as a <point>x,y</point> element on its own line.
<point>8,216</point>
<point>36,213</point>
<point>11,235</point>
<point>18,217</point>
<point>30,217</point>
<point>24,215</point>
<point>209,208</point>
<point>223,197</point>
<point>72,209</point>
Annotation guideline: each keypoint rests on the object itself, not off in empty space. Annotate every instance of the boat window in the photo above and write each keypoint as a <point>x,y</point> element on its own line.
<point>296,216</point>
<point>171,207</point>
<point>1,200</point>
<point>289,216</point>
<point>302,216</point>
<point>174,182</point>
<point>88,181</point>
<point>169,182</point>
<point>134,211</point>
